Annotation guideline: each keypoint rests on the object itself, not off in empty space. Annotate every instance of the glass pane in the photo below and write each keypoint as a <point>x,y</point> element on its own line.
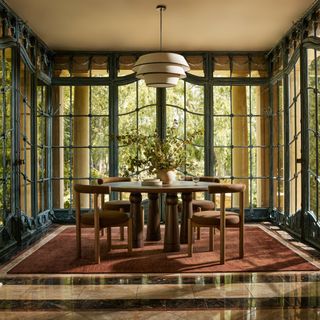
<point>6,135</point>
<point>99,133</point>
<point>195,98</point>
<point>147,120</point>
<point>313,194</point>
<point>99,100</point>
<point>99,162</point>
<point>221,131</point>
<point>221,100</point>
<point>175,95</point>
<point>127,98</point>
<point>222,162</point>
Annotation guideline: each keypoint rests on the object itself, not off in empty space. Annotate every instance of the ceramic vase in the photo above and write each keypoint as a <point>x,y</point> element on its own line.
<point>166,176</point>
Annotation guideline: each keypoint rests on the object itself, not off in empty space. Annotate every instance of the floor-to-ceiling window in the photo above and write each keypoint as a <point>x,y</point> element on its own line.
<point>224,110</point>
<point>240,128</point>
<point>81,119</point>
<point>5,134</point>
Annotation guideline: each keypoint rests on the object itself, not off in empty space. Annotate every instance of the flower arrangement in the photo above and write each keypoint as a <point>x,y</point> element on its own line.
<point>153,153</point>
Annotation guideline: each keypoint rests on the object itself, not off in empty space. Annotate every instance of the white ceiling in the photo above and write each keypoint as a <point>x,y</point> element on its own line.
<point>188,25</point>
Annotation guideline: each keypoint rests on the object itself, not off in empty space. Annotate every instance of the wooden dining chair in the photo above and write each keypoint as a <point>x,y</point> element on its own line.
<point>220,219</point>
<point>99,218</point>
<point>117,205</point>
<point>203,204</point>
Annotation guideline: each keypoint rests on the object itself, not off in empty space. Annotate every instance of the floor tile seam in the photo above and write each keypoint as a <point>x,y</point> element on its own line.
<point>128,275</point>
<point>220,286</point>
<point>140,281</point>
<point>7,267</point>
<point>170,304</point>
<point>44,296</point>
<point>304,255</point>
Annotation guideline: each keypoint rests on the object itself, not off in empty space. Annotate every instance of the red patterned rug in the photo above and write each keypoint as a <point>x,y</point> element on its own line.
<point>262,253</point>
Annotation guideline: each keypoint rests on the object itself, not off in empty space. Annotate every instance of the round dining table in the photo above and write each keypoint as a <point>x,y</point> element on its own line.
<point>172,237</point>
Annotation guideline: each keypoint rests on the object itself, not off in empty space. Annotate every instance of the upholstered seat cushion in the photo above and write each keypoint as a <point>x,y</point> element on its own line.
<point>212,218</point>
<point>204,205</point>
<point>117,205</point>
<point>107,218</point>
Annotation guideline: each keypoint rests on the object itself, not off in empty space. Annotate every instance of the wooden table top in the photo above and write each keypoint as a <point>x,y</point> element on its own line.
<point>176,187</point>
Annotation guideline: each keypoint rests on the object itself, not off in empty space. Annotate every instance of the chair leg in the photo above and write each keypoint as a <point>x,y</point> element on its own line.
<point>121,230</point>
<point>102,232</point>
<point>108,239</point>
<point>129,235</point>
<point>78,225</point>
<point>198,228</point>
<point>211,239</point>
<point>198,233</point>
<point>241,242</point>
<point>241,225</point>
<point>96,230</point>
<point>121,233</point>
<point>222,228</point>
<point>190,238</point>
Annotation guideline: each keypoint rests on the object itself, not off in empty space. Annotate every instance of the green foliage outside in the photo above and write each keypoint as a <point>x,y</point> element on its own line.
<point>185,110</point>
<point>6,136</point>
<point>155,154</point>
<point>314,133</point>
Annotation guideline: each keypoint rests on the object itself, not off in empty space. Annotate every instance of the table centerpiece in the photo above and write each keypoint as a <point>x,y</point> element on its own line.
<point>151,153</point>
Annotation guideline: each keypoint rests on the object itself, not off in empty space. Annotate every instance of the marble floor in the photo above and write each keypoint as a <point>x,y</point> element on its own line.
<point>276,295</point>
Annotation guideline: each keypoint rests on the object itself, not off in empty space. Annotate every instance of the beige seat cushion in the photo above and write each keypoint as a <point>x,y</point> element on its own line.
<point>212,218</point>
<point>117,205</point>
<point>107,218</point>
<point>204,205</point>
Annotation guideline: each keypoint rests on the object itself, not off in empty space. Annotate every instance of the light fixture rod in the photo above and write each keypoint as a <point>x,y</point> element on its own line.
<point>161,8</point>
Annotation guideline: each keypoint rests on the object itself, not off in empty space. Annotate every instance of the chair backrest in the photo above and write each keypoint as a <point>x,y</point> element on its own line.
<point>91,189</point>
<point>113,179</point>
<point>223,188</point>
<point>227,188</point>
<point>203,179</point>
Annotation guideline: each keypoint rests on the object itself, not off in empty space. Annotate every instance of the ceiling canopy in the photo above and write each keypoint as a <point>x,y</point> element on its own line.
<point>188,25</point>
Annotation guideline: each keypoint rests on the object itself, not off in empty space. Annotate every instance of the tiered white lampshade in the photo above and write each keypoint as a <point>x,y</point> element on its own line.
<point>161,69</point>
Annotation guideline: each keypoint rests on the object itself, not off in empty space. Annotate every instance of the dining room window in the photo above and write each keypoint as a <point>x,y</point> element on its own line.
<point>43,118</point>
<point>6,134</point>
<point>185,111</point>
<point>228,126</point>
<point>81,143</point>
<point>241,140</point>
<point>294,141</point>
<point>136,114</point>
<point>278,146</point>
<point>314,131</point>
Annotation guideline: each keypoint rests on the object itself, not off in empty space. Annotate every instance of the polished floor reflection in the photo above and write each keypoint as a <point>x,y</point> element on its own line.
<point>276,295</point>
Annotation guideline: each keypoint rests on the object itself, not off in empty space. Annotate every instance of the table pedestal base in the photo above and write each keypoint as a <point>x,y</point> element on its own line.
<point>137,220</point>
<point>153,228</point>
<point>171,234</point>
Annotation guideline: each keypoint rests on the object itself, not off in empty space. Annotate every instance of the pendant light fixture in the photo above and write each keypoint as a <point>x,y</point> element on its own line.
<point>161,69</point>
